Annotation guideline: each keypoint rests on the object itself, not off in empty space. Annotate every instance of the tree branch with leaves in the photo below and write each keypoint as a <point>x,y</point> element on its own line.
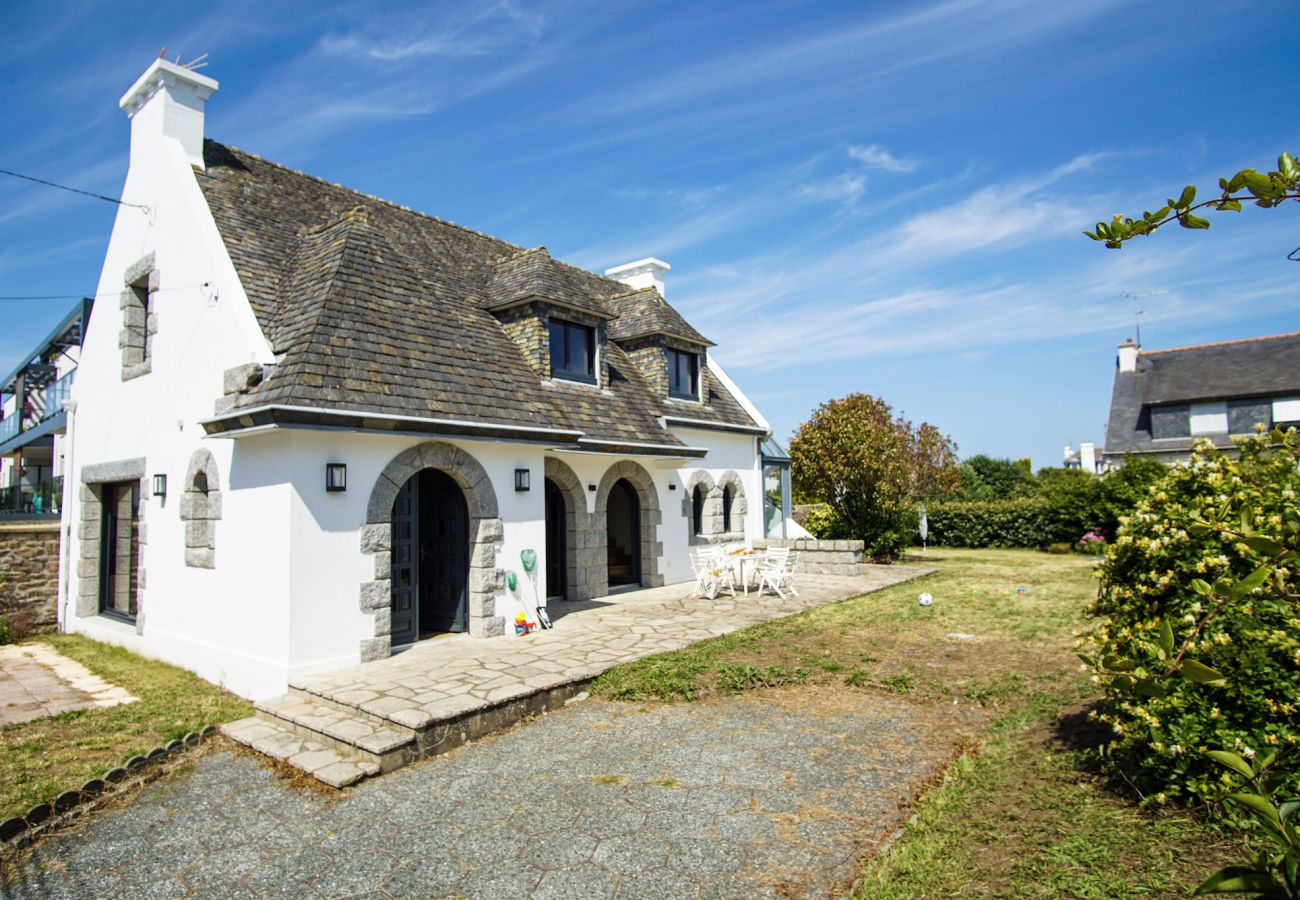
<point>1248,185</point>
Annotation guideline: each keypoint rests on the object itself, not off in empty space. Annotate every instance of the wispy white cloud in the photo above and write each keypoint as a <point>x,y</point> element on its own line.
<point>481,30</point>
<point>844,188</point>
<point>877,157</point>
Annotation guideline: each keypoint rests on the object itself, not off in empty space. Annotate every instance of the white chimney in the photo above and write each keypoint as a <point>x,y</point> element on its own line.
<point>643,273</point>
<point>167,101</point>
<point>1128,356</point>
<point>1088,457</point>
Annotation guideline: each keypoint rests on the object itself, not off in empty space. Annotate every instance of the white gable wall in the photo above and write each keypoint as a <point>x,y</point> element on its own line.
<point>194,617</point>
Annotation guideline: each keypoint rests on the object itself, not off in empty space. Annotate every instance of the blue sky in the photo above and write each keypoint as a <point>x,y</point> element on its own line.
<point>879,197</point>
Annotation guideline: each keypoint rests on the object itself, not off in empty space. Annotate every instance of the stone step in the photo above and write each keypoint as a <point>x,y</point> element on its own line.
<point>278,741</point>
<point>387,746</point>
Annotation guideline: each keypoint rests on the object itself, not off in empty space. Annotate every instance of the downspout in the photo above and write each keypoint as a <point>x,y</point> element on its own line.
<point>65,526</point>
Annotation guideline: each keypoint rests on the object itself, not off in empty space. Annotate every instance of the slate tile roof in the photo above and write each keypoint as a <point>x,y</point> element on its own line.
<point>1256,367</point>
<point>645,312</point>
<point>379,309</point>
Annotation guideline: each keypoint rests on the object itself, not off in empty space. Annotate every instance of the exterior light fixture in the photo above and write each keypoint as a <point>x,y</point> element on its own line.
<point>591,487</point>
<point>522,479</point>
<point>336,477</point>
<point>672,487</point>
<point>160,485</point>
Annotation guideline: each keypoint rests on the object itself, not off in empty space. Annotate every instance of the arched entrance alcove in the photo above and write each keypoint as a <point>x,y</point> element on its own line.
<point>582,558</point>
<point>430,558</point>
<point>623,535</point>
<point>483,532</point>
<point>636,497</point>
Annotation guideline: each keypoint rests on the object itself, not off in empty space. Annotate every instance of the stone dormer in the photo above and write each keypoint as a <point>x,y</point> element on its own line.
<point>540,302</point>
<point>667,351</point>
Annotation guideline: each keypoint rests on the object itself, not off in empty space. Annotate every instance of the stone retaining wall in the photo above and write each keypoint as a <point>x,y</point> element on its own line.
<point>29,575</point>
<point>822,557</point>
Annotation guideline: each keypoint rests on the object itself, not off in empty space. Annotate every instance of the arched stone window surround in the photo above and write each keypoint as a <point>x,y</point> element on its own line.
<point>201,510</point>
<point>485,579</point>
<point>648,499</point>
<point>697,510</point>
<point>586,563</point>
<point>712,512</point>
<point>729,479</point>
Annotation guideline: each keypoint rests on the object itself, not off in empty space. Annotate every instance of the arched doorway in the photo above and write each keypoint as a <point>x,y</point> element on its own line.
<point>623,523</point>
<point>557,555</point>
<point>430,557</point>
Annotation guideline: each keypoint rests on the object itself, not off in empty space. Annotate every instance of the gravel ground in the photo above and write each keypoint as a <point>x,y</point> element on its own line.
<point>775,793</point>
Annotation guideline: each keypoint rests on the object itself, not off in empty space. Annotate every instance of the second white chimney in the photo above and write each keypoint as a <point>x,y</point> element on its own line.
<point>167,102</point>
<point>1128,356</point>
<point>643,273</point>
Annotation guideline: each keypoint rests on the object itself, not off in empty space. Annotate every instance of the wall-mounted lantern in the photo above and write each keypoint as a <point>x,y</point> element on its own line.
<point>160,486</point>
<point>336,477</point>
<point>591,487</point>
<point>523,479</point>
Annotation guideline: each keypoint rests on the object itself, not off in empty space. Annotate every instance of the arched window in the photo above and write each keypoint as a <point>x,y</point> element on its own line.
<point>697,510</point>
<point>201,510</point>
<point>726,509</point>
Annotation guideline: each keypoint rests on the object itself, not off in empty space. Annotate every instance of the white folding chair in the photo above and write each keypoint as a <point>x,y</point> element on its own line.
<point>778,573</point>
<point>712,573</point>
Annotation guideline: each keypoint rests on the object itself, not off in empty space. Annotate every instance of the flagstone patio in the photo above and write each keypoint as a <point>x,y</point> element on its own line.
<point>344,725</point>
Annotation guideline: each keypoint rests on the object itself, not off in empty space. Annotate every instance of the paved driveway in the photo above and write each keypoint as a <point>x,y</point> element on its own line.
<point>768,794</point>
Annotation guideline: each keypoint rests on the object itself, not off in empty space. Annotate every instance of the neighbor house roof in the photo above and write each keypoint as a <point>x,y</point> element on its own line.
<point>380,310</point>
<point>1255,367</point>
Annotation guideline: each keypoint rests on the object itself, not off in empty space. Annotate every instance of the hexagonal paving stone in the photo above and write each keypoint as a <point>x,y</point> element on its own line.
<point>580,882</point>
<point>631,853</point>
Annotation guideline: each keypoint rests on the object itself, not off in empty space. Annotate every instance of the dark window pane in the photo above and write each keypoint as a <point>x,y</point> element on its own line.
<point>572,349</point>
<point>1243,414</point>
<point>682,371</point>
<point>1171,421</point>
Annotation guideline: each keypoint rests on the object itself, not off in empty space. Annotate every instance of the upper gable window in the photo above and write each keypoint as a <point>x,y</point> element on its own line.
<point>573,351</point>
<point>683,375</point>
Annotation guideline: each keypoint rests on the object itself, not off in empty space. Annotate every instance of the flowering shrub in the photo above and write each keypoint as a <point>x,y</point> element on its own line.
<point>1091,543</point>
<point>1158,587</point>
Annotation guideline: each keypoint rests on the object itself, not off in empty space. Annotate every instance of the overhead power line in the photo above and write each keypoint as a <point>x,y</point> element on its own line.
<point>63,187</point>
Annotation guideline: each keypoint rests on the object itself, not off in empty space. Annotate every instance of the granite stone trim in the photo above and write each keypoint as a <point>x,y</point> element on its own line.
<point>201,510</point>
<point>648,500</point>
<point>485,580</point>
<point>116,470</point>
<point>583,536</point>
<point>713,530</point>
<point>139,307</point>
<point>89,535</point>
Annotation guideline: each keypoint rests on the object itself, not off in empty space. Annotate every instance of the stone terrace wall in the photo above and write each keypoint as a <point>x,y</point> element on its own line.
<point>29,575</point>
<point>823,557</point>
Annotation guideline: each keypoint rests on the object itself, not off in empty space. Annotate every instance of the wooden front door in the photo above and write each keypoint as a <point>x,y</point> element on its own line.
<point>405,563</point>
<point>556,544</point>
<point>444,554</point>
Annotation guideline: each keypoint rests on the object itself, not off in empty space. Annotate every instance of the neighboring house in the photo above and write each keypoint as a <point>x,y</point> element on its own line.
<point>319,426</point>
<point>1085,458</point>
<point>33,421</point>
<point>1163,400</point>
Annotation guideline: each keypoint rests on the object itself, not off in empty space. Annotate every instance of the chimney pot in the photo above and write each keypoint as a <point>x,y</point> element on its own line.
<point>643,273</point>
<point>167,101</point>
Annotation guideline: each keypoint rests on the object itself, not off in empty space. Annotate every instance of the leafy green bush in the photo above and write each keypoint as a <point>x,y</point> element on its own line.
<point>1122,489</point>
<point>822,523</point>
<point>1150,577</point>
<point>986,478</point>
<point>1027,522</point>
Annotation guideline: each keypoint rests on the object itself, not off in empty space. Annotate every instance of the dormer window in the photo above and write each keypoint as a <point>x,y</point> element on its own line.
<point>683,375</point>
<point>573,351</point>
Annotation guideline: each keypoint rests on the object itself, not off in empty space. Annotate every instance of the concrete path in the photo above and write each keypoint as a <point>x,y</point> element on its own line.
<point>771,794</point>
<point>36,681</point>
<point>350,723</point>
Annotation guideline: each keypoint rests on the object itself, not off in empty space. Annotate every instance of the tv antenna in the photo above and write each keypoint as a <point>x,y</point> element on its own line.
<point>1137,313</point>
<point>193,65</point>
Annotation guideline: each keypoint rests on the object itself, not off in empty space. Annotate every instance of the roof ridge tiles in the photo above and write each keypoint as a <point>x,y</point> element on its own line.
<point>1249,340</point>
<point>540,248</point>
<point>381,200</point>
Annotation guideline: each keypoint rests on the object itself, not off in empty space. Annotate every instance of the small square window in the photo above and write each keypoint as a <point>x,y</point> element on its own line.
<point>683,375</point>
<point>573,351</point>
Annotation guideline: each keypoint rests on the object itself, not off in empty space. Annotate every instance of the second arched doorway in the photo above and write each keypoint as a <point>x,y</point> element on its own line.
<point>623,523</point>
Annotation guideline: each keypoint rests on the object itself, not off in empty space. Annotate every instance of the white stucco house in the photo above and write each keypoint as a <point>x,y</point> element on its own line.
<point>318,426</point>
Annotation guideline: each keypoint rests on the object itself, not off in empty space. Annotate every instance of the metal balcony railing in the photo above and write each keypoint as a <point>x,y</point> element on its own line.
<point>56,393</point>
<point>9,427</point>
<point>44,499</point>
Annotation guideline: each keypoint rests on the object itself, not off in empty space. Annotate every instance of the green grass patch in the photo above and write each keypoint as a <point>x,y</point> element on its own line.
<point>45,757</point>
